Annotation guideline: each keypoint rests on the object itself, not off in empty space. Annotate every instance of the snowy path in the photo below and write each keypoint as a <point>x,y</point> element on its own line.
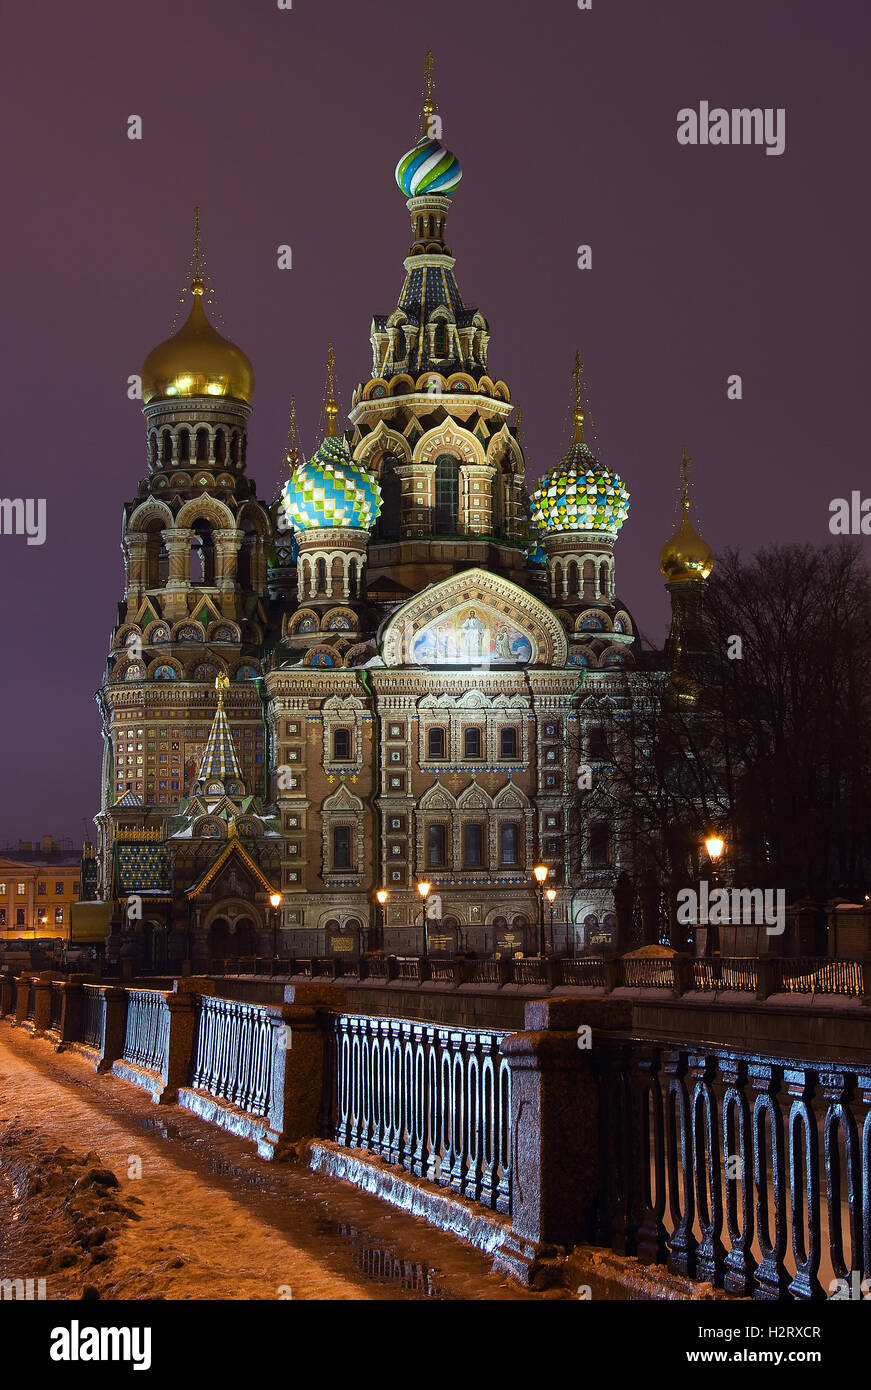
<point>217,1222</point>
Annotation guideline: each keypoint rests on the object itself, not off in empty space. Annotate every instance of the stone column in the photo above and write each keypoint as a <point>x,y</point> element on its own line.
<point>136,558</point>
<point>178,546</point>
<point>227,543</point>
<point>555,1133</point>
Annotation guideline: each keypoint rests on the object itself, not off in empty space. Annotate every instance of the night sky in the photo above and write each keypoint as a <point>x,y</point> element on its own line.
<point>285,127</point>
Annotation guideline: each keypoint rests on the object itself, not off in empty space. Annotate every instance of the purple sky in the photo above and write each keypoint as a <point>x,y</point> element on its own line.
<point>285,126</point>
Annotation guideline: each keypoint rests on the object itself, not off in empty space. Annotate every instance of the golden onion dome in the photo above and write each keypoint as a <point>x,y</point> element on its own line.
<point>686,556</point>
<point>197,361</point>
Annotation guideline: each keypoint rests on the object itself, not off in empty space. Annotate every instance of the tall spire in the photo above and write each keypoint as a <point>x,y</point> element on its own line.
<point>428,107</point>
<point>197,283</point>
<point>331,409</point>
<point>578,415</point>
<point>220,761</point>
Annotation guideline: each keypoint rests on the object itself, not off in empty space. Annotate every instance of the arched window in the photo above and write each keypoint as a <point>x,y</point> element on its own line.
<point>447,495</point>
<point>508,844</point>
<point>184,446</point>
<point>166,447</point>
<point>572,577</point>
<point>234,448</point>
<point>321,576</point>
<point>353,579</point>
<point>600,845</point>
<point>589,579</point>
<point>435,744</point>
<point>202,555</point>
<point>440,339</point>
<point>202,446</point>
<point>152,448</point>
<point>341,745</point>
<point>220,446</point>
<point>597,745</point>
<point>472,743</point>
<point>604,579</point>
<point>388,525</point>
<point>436,846</point>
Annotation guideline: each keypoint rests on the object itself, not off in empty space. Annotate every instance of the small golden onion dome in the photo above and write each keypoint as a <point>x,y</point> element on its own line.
<point>197,361</point>
<point>686,556</point>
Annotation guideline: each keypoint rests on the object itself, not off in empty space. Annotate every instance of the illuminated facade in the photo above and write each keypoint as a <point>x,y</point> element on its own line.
<point>415,654</point>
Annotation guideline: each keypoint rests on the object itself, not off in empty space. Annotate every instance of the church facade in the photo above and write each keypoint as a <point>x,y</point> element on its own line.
<point>392,674</point>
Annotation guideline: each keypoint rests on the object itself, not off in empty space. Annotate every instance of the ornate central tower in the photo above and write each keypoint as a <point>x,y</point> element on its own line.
<point>432,422</point>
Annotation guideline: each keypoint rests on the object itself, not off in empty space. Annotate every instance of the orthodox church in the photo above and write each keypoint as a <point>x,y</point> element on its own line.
<point>386,678</point>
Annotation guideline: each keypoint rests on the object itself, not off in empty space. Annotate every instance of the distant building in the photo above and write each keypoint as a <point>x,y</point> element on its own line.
<point>39,882</point>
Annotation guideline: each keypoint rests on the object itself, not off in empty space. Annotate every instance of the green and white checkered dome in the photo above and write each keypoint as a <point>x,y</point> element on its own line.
<point>331,490</point>
<point>580,495</point>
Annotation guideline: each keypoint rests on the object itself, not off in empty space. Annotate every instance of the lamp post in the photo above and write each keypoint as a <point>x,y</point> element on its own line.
<point>275,903</point>
<point>550,894</point>
<point>540,872</point>
<point>424,891</point>
<point>381,898</point>
<point>714,846</point>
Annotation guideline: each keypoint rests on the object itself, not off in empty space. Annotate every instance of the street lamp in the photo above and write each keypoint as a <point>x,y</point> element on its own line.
<point>275,904</point>
<point>714,846</point>
<point>381,898</point>
<point>540,873</point>
<point>550,894</point>
<point>424,890</point>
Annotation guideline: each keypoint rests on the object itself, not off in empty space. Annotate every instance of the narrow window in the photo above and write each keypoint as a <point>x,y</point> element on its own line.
<point>321,577</point>
<point>508,743</point>
<point>435,744</point>
<point>472,743</point>
<point>508,844</point>
<point>341,745</point>
<point>341,847</point>
<point>598,742</point>
<point>435,846</point>
<point>473,845</point>
<point>599,845</point>
<point>447,495</point>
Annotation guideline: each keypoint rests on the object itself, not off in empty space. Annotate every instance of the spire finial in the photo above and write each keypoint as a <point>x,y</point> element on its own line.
<point>428,103</point>
<point>197,284</point>
<point>222,683</point>
<point>578,415</point>
<point>291,455</point>
<point>685,482</point>
<point>330,408</point>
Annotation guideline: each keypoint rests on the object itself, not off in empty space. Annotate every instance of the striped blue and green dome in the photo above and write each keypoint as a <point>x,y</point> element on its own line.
<point>580,495</point>
<point>428,168</point>
<point>331,490</point>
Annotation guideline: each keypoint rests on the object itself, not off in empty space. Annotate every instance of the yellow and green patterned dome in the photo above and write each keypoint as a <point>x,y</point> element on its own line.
<point>331,490</point>
<point>579,494</point>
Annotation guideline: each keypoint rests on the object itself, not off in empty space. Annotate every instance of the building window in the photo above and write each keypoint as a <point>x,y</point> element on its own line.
<point>19,916</point>
<point>435,744</point>
<point>21,889</point>
<point>472,743</point>
<point>598,742</point>
<point>40,888</point>
<point>58,916</point>
<point>600,844</point>
<point>58,889</point>
<point>508,844</point>
<point>507,743</point>
<point>3,890</point>
<point>473,846</point>
<point>42,917</point>
<point>341,745</point>
<point>2,916</point>
<point>436,839</point>
<point>342,847</point>
<point>447,495</point>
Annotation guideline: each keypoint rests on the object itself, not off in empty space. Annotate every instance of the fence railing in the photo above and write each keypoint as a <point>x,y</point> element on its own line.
<point>93,1016</point>
<point>146,1031</point>
<point>747,1171</point>
<point>809,975</point>
<point>55,1013</point>
<point>232,1056</point>
<point>434,1101</point>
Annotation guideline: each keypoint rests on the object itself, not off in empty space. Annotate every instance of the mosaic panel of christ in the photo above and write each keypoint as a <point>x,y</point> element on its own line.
<point>471,637</point>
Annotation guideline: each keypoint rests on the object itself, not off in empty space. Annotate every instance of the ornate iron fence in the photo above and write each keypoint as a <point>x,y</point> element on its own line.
<point>810,975</point>
<point>146,1032</point>
<point>232,1055</point>
<point>93,1016</point>
<point>435,1101</point>
<point>712,1162</point>
<point>725,972</point>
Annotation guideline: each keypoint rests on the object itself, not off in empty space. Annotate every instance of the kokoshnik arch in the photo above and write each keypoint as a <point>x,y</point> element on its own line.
<point>386,674</point>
